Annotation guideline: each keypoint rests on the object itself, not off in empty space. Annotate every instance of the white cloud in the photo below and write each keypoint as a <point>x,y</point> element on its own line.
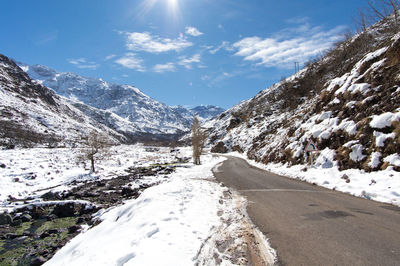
<point>47,37</point>
<point>193,31</point>
<point>91,67</point>
<point>187,62</point>
<point>222,77</point>
<point>77,61</point>
<point>298,20</point>
<point>161,68</point>
<point>111,56</point>
<point>83,63</point>
<point>145,41</point>
<point>131,61</point>
<point>224,45</point>
<point>205,77</point>
<point>288,46</point>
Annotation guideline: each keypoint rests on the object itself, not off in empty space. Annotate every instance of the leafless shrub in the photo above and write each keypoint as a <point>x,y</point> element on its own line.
<point>96,147</point>
<point>378,10</point>
<point>383,9</point>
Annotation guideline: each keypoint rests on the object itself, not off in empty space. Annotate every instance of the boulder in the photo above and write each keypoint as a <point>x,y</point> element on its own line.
<point>16,222</point>
<point>219,148</point>
<point>64,210</point>
<point>26,218</point>
<point>5,218</point>
<point>37,261</point>
<point>51,217</point>
<point>51,196</point>
<point>53,231</point>
<point>127,191</point>
<point>37,212</point>
<point>73,229</point>
<point>44,235</point>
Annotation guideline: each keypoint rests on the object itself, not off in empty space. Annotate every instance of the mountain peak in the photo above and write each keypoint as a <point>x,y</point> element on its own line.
<point>146,114</point>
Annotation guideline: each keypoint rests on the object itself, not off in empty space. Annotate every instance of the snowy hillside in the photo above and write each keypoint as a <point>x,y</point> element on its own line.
<point>143,114</point>
<point>347,103</point>
<point>31,113</point>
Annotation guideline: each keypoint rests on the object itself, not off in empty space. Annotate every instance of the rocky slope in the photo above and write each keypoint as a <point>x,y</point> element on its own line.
<point>32,114</point>
<point>347,103</point>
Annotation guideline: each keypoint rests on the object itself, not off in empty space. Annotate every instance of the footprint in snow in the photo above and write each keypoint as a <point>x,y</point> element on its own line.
<point>153,232</point>
<point>125,259</point>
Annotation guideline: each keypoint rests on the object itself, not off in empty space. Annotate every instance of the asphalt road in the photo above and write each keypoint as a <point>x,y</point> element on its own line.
<point>310,225</point>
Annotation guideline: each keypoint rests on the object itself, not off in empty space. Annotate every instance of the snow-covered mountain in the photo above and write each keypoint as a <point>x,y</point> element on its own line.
<point>207,111</point>
<point>204,112</point>
<point>347,103</point>
<point>30,113</point>
<point>144,115</point>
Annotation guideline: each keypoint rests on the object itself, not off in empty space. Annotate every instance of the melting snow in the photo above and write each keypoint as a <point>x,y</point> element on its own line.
<point>384,120</point>
<point>375,159</point>
<point>393,159</point>
<point>380,138</point>
<point>356,153</point>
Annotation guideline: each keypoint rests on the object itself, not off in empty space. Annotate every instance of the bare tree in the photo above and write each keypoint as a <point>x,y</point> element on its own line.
<point>382,9</point>
<point>361,21</point>
<point>199,137</point>
<point>96,146</point>
<point>395,4</point>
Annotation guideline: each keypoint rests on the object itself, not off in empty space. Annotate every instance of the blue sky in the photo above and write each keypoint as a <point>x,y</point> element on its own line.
<point>186,52</point>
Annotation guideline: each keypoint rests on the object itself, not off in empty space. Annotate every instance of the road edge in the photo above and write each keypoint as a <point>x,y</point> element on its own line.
<point>259,250</point>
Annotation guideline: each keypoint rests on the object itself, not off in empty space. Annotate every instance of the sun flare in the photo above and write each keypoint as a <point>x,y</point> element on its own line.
<point>171,6</point>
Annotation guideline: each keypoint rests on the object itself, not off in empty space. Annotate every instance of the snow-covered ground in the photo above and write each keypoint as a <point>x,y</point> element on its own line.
<point>383,186</point>
<point>177,222</point>
<point>29,172</point>
<point>188,219</point>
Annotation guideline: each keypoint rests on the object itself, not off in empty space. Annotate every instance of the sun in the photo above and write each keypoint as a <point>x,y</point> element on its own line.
<point>172,2</point>
<point>171,6</point>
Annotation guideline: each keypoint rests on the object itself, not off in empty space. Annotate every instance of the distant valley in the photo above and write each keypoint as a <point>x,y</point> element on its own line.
<point>123,112</point>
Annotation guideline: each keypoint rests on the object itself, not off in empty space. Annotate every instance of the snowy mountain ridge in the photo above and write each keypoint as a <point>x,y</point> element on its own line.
<point>144,114</point>
<point>204,112</point>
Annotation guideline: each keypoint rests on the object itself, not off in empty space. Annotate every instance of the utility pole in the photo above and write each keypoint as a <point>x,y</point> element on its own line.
<point>296,67</point>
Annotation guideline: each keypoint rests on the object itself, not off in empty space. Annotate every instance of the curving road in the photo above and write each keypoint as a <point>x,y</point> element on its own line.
<point>310,225</point>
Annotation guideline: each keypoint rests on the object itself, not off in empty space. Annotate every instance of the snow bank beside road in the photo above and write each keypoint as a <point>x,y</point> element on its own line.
<point>169,224</point>
<point>383,186</point>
